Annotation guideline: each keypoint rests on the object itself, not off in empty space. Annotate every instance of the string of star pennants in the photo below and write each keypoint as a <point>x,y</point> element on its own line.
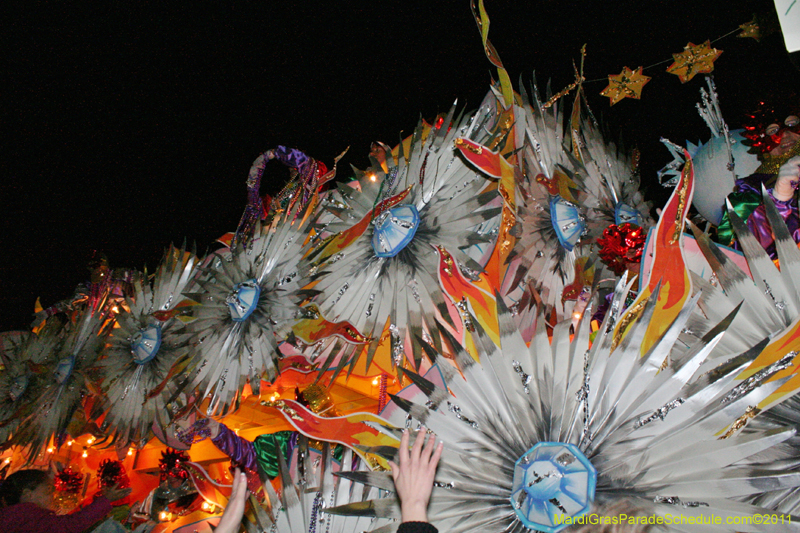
<point>694,59</point>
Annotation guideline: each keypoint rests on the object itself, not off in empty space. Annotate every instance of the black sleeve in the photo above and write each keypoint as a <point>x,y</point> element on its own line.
<point>416,527</point>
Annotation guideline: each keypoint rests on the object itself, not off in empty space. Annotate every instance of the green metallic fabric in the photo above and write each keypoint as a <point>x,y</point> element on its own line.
<point>267,446</point>
<point>744,203</point>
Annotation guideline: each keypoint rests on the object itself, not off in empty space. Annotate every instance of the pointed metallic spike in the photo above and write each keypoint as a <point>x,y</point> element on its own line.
<point>776,222</point>
<point>429,350</point>
<point>726,368</point>
<point>383,508</point>
<point>462,358</point>
<point>435,394</point>
<point>418,412</point>
<point>723,325</point>
<point>382,480</point>
<point>385,452</point>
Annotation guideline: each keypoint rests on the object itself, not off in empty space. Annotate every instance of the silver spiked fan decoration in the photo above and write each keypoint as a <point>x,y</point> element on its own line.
<point>378,266</point>
<point>308,489</point>
<point>769,303</point>
<point>611,179</point>
<point>148,340</point>
<point>249,301</point>
<point>551,217</point>
<point>70,379</point>
<point>534,436</point>
<point>24,374</point>
<point>769,297</point>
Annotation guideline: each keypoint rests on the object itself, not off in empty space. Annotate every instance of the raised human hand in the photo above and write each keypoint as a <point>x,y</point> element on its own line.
<point>114,492</point>
<point>788,179</point>
<point>193,428</point>
<point>234,511</point>
<point>413,477</point>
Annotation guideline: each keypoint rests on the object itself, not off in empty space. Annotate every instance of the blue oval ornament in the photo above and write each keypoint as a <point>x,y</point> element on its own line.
<point>554,484</point>
<point>394,229</point>
<point>243,300</point>
<point>623,213</point>
<point>64,369</point>
<point>567,222</point>
<point>145,344</point>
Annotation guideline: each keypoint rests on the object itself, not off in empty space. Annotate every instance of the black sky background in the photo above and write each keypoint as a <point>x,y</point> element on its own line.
<point>130,125</point>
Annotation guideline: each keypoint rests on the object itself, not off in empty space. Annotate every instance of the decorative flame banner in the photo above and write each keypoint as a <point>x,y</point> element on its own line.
<point>476,298</point>
<point>349,430</point>
<point>482,19</point>
<point>669,266</point>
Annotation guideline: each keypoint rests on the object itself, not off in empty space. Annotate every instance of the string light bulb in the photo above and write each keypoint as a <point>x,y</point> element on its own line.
<point>130,451</point>
<point>85,453</point>
<point>69,442</point>
<point>50,449</point>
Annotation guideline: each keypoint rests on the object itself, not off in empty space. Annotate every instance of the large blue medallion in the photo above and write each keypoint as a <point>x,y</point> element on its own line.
<point>145,344</point>
<point>394,229</point>
<point>567,222</point>
<point>554,483</point>
<point>243,300</point>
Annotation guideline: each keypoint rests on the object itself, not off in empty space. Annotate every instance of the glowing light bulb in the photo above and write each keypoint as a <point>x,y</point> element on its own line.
<point>375,381</point>
<point>50,449</point>
<point>90,440</point>
<point>85,453</point>
<point>373,177</point>
<point>130,451</point>
<point>207,507</point>
<point>576,315</point>
<point>69,443</point>
<point>8,460</point>
<point>164,516</point>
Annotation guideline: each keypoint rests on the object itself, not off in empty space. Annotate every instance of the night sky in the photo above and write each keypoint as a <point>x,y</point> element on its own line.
<point>131,125</point>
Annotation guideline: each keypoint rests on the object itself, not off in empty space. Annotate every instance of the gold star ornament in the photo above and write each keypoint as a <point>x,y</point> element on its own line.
<point>626,84</point>
<point>750,29</point>
<point>695,59</point>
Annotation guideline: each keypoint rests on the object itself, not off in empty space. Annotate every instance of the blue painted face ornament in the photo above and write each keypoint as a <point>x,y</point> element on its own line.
<point>623,213</point>
<point>394,229</point>
<point>554,483</point>
<point>567,221</point>
<point>145,344</point>
<point>64,369</point>
<point>243,300</point>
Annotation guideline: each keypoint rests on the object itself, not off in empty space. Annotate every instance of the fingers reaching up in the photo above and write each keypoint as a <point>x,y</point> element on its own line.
<point>413,477</point>
<point>234,511</point>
